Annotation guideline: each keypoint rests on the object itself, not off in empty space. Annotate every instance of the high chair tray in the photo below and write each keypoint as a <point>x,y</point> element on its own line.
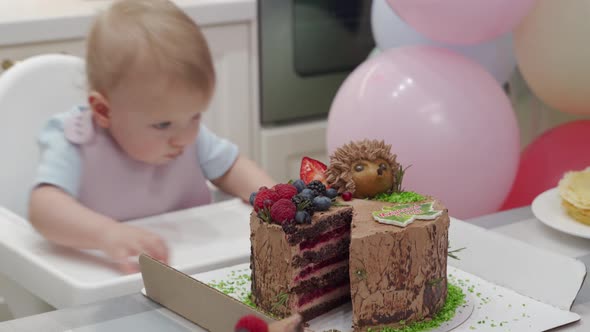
<point>199,239</point>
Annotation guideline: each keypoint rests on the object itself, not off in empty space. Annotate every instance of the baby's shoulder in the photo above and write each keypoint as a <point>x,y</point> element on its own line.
<point>75,126</point>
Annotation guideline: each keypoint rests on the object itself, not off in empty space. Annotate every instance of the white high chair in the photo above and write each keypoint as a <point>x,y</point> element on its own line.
<point>30,92</point>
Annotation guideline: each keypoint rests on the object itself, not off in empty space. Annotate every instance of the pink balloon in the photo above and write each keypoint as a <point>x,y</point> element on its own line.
<point>462,21</point>
<point>443,114</point>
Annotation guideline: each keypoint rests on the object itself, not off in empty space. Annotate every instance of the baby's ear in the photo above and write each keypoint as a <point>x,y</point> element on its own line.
<point>101,111</point>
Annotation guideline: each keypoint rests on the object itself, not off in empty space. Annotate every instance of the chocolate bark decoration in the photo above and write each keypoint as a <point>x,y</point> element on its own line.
<point>396,273</point>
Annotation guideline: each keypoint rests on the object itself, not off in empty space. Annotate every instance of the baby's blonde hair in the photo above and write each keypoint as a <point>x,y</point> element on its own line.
<point>148,32</point>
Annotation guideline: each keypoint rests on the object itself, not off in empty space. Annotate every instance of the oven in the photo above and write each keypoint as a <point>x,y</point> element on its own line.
<point>307,48</point>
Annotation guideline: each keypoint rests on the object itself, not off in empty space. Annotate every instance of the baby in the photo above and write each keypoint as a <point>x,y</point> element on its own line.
<point>138,148</point>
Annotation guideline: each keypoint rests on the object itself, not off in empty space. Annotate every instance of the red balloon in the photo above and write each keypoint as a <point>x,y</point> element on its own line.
<point>543,162</point>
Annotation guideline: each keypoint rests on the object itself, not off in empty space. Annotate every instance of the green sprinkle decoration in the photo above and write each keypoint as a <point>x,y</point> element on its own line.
<point>453,253</point>
<point>361,274</point>
<point>455,298</point>
<point>338,204</point>
<point>400,197</point>
<point>235,285</point>
<point>433,282</point>
<point>281,300</point>
<point>228,287</point>
<point>398,176</point>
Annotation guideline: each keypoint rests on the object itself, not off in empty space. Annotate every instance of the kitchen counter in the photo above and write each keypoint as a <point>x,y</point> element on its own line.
<point>31,21</point>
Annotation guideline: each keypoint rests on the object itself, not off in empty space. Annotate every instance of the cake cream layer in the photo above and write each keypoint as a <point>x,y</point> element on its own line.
<point>324,306</point>
<point>396,273</point>
<point>321,268</point>
<point>322,251</point>
<point>328,295</point>
<point>331,275</point>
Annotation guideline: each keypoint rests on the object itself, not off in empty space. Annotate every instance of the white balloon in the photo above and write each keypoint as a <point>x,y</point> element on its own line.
<point>390,31</point>
<point>374,52</point>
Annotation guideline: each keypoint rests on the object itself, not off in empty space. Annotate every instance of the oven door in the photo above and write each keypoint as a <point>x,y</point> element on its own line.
<point>307,48</point>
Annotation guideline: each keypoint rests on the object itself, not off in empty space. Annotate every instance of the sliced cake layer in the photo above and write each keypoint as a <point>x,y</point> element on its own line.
<point>303,268</point>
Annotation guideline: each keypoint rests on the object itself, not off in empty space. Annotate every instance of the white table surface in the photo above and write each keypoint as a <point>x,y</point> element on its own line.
<point>199,239</point>
<point>137,313</point>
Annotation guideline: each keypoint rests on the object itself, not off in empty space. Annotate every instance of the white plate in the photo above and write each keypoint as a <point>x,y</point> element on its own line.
<point>547,208</point>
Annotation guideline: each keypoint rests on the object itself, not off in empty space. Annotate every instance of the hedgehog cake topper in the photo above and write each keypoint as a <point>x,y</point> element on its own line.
<point>365,168</point>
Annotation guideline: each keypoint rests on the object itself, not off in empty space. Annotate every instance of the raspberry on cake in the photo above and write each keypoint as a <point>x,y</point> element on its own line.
<point>282,211</point>
<point>285,190</point>
<point>263,196</point>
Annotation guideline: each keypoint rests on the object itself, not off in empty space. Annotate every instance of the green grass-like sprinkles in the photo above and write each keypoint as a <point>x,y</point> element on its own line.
<point>455,298</point>
<point>400,197</point>
<point>236,281</point>
<point>235,285</point>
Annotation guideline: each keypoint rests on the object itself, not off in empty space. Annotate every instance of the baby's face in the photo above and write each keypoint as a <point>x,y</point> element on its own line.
<point>154,121</point>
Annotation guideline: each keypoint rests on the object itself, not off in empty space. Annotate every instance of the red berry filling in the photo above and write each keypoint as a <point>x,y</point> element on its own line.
<point>313,268</point>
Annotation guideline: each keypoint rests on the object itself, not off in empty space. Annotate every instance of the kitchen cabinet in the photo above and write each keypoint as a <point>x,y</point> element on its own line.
<point>283,147</point>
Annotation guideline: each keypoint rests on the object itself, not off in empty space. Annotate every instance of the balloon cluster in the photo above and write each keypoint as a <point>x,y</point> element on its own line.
<point>432,91</point>
<point>546,159</point>
<point>552,53</point>
<point>496,54</point>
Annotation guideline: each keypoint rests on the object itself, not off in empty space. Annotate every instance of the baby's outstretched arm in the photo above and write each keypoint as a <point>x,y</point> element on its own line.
<point>63,220</point>
<point>292,323</point>
<point>243,178</point>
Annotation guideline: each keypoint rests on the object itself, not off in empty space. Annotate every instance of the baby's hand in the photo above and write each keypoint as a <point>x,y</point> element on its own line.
<point>121,241</point>
<point>292,323</point>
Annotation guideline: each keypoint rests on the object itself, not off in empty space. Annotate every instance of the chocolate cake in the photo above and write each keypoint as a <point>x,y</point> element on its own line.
<point>303,268</point>
<point>396,274</point>
<point>315,248</point>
